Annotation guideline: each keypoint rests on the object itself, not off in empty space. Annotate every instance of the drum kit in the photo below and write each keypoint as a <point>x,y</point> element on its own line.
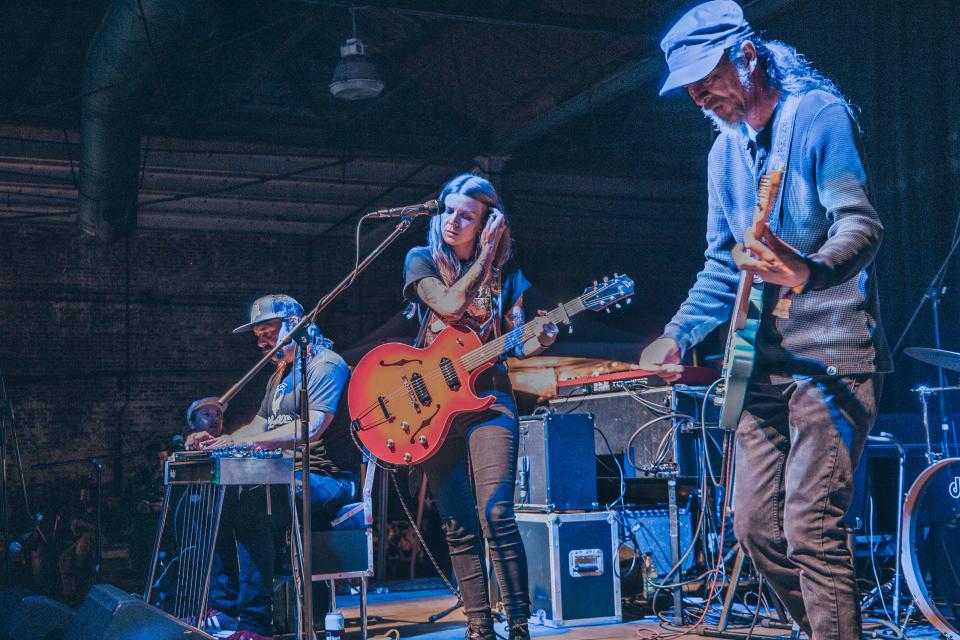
<point>930,544</point>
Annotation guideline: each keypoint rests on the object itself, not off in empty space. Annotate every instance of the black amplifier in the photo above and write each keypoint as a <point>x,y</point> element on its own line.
<point>666,447</point>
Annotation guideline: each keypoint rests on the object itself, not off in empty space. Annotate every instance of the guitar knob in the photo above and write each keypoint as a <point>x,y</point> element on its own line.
<point>405,426</point>
<point>391,445</point>
<point>422,440</point>
<point>407,457</point>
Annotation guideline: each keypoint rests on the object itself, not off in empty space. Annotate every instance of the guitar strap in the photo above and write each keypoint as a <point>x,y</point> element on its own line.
<point>428,318</point>
<point>780,154</point>
<point>779,158</point>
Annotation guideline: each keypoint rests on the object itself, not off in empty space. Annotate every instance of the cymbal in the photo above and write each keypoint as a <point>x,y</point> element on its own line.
<point>937,357</point>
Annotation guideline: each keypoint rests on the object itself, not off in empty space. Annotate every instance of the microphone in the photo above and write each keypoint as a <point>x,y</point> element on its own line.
<point>428,208</point>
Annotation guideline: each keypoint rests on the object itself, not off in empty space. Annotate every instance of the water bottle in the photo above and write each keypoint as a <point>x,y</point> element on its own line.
<point>333,626</point>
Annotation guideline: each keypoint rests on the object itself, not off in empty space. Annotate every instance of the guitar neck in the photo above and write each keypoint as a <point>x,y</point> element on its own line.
<point>498,346</point>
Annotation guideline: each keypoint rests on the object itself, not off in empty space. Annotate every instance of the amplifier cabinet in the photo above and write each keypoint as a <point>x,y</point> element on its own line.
<point>573,567</point>
<point>619,414</point>
<point>556,469</point>
<point>647,532</point>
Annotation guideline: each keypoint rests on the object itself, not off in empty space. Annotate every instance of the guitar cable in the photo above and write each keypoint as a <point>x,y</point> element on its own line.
<point>423,543</point>
<point>406,510</point>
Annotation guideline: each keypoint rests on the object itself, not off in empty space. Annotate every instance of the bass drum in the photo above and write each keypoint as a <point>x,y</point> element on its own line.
<point>931,544</point>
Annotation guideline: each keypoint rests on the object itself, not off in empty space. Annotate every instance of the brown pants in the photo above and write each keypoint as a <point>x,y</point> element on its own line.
<point>798,444</point>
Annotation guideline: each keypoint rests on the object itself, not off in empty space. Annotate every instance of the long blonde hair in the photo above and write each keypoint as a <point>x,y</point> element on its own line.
<point>447,262</point>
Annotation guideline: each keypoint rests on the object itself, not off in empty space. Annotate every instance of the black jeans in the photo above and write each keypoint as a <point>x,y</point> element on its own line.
<point>472,479</point>
<point>798,444</point>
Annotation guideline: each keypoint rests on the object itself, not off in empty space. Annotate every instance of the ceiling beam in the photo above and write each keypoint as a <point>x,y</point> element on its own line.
<point>533,18</point>
<point>642,73</point>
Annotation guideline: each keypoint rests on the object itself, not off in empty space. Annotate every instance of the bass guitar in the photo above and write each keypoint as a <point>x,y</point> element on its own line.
<point>738,357</point>
<point>403,400</point>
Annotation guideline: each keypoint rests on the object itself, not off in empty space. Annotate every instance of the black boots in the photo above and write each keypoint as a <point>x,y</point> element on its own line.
<point>517,629</point>
<point>480,630</point>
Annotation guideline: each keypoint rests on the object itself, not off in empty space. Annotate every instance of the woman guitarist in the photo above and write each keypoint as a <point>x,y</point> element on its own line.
<point>463,276</point>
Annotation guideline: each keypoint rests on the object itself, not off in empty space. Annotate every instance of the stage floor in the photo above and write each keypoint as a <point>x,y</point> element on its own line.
<point>408,612</point>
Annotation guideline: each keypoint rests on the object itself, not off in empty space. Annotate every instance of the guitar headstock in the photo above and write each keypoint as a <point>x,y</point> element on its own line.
<point>767,193</point>
<point>610,291</point>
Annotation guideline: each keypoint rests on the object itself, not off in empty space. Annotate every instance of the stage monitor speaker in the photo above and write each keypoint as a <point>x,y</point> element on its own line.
<point>26,616</point>
<point>107,613</point>
<point>556,469</point>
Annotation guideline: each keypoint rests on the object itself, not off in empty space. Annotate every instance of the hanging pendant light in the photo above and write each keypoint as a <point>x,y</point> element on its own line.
<point>355,77</point>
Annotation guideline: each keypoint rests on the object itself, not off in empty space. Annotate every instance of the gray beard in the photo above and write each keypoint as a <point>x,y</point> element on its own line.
<point>721,125</point>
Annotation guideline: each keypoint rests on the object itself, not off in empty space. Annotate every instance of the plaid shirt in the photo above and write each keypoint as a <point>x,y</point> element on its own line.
<point>834,325</point>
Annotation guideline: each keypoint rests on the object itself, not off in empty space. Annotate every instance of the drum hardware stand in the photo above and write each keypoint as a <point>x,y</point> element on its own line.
<point>923,393</point>
<point>299,333</point>
<point>877,592</point>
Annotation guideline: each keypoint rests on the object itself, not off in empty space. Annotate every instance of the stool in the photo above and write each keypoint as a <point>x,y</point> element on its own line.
<point>346,550</point>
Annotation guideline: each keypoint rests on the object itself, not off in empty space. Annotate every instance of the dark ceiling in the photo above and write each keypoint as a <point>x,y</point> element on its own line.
<point>461,78</point>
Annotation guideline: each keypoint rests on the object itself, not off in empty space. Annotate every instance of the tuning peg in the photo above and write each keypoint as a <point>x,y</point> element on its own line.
<point>606,278</point>
<point>618,306</point>
<point>570,329</point>
<point>607,309</point>
<point>629,300</point>
<point>616,275</point>
<point>595,283</point>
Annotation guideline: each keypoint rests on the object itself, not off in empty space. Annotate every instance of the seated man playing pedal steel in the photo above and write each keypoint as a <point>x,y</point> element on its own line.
<point>241,590</point>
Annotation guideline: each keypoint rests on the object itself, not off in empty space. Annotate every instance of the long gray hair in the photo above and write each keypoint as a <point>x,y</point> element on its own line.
<point>482,190</point>
<point>787,70</point>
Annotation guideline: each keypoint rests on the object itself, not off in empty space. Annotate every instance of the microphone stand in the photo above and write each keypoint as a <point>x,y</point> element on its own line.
<point>299,333</point>
<point>934,292</point>
<point>96,464</point>
<point>8,424</point>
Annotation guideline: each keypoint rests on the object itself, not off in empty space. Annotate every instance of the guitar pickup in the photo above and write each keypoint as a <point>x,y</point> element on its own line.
<point>420,389</point>
<point>449,374</point>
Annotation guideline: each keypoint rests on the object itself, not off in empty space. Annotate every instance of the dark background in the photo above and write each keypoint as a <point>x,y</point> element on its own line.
<point>103,345</point>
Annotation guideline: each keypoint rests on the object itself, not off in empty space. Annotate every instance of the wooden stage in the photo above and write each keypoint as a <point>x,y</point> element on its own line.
<point>408,612</point>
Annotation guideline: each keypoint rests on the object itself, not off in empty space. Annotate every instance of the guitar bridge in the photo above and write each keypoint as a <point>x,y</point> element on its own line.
<point>383,407</point>
<point>411,394</point>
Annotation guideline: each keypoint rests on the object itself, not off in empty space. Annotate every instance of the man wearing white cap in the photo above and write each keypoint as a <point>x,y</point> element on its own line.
<point>820,349</point>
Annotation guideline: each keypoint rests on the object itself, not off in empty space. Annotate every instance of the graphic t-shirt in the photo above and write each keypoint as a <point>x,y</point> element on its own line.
<point>327,375</point>
<point>485,310</point>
